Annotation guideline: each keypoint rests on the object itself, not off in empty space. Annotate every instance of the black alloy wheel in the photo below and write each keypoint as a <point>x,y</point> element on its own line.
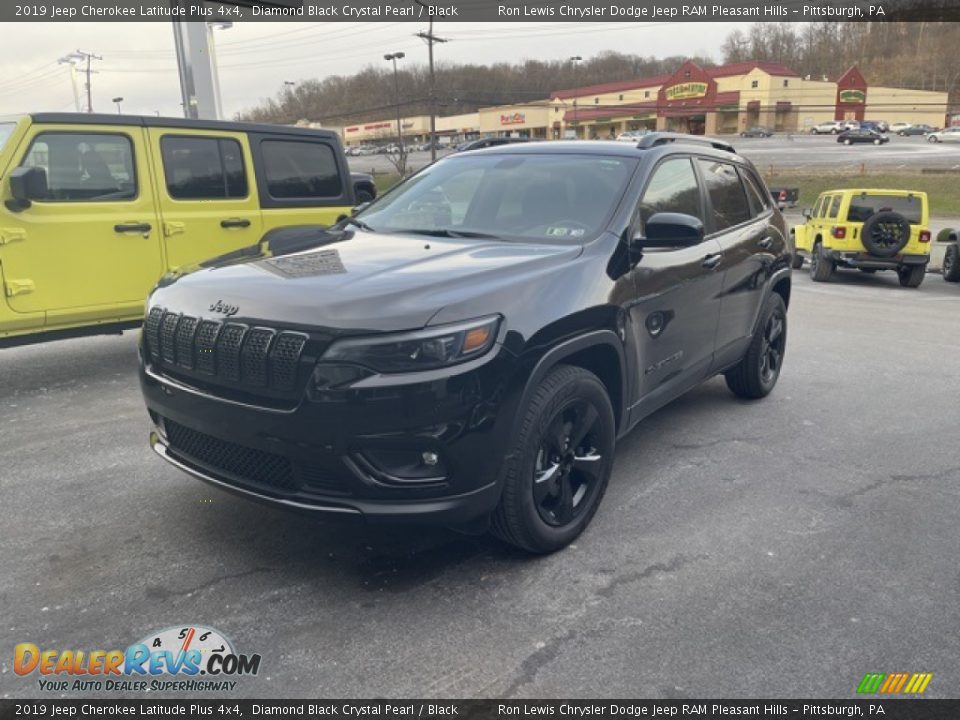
<point>758,371</point>
<point>885,234</point>
<point>951,263</point>
<point>566,474</point>
<point>557,468</point>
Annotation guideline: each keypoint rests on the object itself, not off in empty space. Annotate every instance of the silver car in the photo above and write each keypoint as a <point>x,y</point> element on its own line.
<point>950,134</point>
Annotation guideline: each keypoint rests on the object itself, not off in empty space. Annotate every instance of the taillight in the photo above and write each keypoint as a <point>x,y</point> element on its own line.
<point>924,236</point>
<point>838,232</point>
<point>783,195</point>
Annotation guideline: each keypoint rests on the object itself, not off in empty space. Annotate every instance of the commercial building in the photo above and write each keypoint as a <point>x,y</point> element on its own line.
<point>714,101</point>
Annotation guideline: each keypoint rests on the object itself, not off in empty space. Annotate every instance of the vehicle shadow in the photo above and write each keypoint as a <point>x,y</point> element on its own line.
<point>855,278</point>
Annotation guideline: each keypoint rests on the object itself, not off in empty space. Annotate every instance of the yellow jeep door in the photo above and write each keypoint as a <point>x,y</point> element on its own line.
<point>89,250</point>
<point>208,200</point>
<point>303,178</point>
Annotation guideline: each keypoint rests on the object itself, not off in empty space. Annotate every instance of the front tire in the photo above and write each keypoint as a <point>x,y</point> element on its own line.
<point>911,276</point>
<point>757,373</point>
<point>951,263</point>
<point>559,464</point>
<point>796,262</point>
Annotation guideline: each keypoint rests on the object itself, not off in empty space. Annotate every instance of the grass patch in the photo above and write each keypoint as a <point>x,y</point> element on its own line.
<point>941,188</point>
<point>385,182</point>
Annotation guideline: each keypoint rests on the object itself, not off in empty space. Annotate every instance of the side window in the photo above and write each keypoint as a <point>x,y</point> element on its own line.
<point>296,169</point>
<point>203,168</point>
<point>726,193</point>
<point>673,188</point>
<point>84,166</point>
<point>759,200</point>
<point>833,207</point>
<point>818,208</point>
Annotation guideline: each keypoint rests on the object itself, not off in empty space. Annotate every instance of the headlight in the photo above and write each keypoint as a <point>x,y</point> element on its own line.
<point>426,349</point>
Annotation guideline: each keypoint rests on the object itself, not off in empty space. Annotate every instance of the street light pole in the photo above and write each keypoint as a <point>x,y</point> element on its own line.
<point>118,100</point>
<point>396,87</point>
<point>574,59</point>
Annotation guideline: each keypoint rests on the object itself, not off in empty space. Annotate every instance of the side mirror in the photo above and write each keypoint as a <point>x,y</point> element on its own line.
<point>806,213</point>
<point>670,230</point>
<point>27,184</point>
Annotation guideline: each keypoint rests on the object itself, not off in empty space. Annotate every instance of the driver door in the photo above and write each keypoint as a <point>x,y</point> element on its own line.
<point>90,249</point>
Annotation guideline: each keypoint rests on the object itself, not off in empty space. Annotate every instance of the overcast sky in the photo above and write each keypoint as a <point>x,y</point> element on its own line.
<point>256,58</point>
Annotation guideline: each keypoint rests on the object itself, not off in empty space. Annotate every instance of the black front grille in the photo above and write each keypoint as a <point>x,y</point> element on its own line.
<point>242,462</point>
<point>232,462</point>
<point>234,353</point>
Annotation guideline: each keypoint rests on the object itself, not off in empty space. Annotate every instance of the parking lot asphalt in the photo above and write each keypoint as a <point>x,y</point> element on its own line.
<point>796,152</point>
<point>779,548</point>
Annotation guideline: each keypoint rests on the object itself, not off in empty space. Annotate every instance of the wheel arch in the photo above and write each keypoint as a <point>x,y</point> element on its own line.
<point>600,352</point>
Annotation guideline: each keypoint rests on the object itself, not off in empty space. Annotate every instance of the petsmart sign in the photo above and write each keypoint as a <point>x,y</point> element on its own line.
<point>685,91</point>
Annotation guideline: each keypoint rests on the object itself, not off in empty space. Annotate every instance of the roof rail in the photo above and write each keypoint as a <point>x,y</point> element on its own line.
<point>662,138</point>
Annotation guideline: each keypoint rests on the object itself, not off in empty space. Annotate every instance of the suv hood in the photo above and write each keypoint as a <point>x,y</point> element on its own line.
<point>359,281</point>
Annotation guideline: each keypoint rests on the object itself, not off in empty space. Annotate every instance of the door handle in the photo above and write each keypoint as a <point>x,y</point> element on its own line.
<point>132,227</point>
<point>766,243</point>
<point>711,261</point>
<point>235,223</point>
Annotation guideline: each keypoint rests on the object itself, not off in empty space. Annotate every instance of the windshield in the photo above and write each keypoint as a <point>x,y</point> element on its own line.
<point>6,130</point>
<point>863,206</point>
<point>565,198</point>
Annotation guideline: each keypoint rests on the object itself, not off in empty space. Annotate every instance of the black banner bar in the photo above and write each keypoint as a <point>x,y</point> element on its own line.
<point>639,11</point>
<point>877,707</point>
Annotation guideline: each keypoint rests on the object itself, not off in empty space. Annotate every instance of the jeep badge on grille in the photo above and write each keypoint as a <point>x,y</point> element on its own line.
<point>221,307</point>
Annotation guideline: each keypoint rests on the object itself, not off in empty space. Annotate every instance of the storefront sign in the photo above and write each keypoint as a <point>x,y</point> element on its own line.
<point>517,118</point>
<point>685,91</point>
<point>853,96</point>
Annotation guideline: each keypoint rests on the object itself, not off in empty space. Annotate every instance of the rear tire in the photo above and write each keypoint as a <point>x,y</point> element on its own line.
<point>554,481</point>
<point>757,373</point>
<point>951,263</point>
<point>911,275</point>
<point>821,267</point>
<point>797,262</point>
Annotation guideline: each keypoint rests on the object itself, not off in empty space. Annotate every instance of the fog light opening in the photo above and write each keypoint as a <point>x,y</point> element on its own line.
<point>401,466</point>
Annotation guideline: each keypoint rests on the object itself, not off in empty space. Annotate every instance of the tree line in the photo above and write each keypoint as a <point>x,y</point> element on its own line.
<point>920,56</point>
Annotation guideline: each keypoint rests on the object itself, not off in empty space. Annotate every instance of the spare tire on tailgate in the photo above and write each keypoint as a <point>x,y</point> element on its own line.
<point>885,234</point>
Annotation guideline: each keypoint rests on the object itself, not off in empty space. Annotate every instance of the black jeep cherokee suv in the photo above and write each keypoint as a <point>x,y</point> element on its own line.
<point>468,348</point>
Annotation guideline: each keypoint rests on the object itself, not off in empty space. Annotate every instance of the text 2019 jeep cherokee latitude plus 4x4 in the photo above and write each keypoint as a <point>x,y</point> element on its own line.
<point>470,346</point>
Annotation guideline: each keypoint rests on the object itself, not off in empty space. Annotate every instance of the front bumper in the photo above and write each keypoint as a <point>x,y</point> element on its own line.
<point>854,259</point>
<point>349,456</point>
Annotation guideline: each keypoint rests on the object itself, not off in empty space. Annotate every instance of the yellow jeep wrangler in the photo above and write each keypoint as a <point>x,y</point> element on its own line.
<point>868,230</point>
<point>95,208</point>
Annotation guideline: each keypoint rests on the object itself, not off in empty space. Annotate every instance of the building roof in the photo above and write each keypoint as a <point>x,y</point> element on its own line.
<point>635,84</point>
<point>740,68</point>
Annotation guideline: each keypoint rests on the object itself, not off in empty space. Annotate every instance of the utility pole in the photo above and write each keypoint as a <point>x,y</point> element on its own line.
<point>89,57</point>
<point>574,59</point>
<point>396,87</point>
<point>430,39</point>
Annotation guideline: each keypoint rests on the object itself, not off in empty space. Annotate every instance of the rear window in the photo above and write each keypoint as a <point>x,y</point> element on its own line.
<point>863,206</point>
<point>727,198</point>
<point>296,170</point>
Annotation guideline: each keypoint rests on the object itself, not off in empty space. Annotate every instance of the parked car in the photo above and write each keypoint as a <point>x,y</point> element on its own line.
<point>850,125</point>
<point>866,229</point>
<point>916,130</point>
<point>947,135</point>
<point>632,135</point>
<point>828,128</point>
<point>785,197</point>
<point>951,256</point>
<point>881,125</point>
<point>897,127</point>
<point>760,132</point>
<point>852,137</point>
<point>399,369</point>
<point>486,142</point>
<point>95,208</point>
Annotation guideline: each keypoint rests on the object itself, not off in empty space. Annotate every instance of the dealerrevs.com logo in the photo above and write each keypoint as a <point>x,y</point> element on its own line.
<point>197,658</point>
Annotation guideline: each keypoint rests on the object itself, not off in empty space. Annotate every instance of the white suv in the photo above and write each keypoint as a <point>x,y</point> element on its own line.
<point>898,126</point>
<point>829,128</point>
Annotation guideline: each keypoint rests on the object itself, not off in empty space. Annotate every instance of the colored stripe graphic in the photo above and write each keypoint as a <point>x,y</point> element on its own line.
<point>894,683</point>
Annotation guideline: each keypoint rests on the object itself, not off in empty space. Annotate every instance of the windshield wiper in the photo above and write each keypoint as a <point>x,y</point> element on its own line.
<point>446,232</point>
<point>358,223</point>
